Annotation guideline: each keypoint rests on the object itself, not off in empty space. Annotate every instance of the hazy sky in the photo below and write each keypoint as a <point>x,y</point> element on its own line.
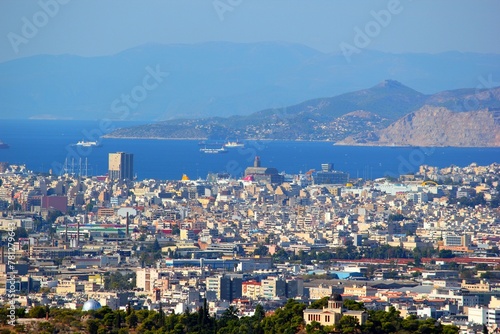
<point>98,27</point>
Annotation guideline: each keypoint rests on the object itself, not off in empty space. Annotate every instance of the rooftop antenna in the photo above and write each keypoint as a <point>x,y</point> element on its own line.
<point>77,232</point>
<point>128,223</point>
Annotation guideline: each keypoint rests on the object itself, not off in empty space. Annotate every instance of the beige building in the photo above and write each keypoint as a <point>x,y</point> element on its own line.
<point>121,166</point>
<point>70,286</point>
<point>494,302</point>
<point>146,278</point>
<point>332,314</point>
<point>319,292</point>
<point>251,289</point>
<point>482,286</point>
<point>360,291</point>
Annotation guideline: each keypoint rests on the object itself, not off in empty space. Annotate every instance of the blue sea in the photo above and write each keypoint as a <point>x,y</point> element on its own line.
<point>45,144</point>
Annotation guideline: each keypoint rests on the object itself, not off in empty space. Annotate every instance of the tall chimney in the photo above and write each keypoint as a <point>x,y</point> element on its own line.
<point>128,222</point>
<point>77,232</point>
<point>256,162</point>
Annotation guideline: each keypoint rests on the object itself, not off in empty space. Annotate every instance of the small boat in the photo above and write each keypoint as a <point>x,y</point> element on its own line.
<point>3,145</point>
<point>233,144</point>
<point>88,143</point>
<point>213,150</point>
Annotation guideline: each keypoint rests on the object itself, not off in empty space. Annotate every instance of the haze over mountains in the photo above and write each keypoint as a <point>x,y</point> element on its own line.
<point>224,79</point>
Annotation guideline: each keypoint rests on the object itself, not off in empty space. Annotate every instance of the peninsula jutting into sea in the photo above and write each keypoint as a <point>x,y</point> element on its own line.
<point>388,114</point>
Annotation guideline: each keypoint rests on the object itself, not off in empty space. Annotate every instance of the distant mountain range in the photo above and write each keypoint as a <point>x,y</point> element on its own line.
<point>225,79</point>
<point>386,114</point>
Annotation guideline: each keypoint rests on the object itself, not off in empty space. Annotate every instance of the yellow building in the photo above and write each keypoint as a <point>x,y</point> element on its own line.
<point>251,289</point>
<point>360,291</point>
<point>70,286</point>
<point>482,286</point>
<point>319,292</point>
<point>97,278</point>
<point>332,314</point>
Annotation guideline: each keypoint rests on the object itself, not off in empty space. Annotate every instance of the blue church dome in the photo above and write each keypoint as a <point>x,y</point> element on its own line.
<point>91,304</point>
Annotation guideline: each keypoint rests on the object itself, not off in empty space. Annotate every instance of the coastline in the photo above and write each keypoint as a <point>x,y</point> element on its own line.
<point>304,140</point>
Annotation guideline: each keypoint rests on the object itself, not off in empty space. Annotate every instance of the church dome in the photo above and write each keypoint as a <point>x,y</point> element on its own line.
<point>91,305</point>
<point>336,297</point>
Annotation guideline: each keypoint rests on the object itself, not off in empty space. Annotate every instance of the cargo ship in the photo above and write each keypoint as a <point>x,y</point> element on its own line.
<point>3,145</point>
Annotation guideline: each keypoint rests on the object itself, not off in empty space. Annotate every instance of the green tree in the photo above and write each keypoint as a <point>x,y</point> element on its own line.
<point>21,232</point>
<point>280,256</point>
<point>482,266</point>
<point>154,247</point>
<point>46,327</point>
<point>117,281</point>
<point>466,274</point>
<point>230,314</point>
<point>176,230</point>
<point>117,323</point>
<point>450,329</point>
<point>288,319</point>
<point>262,250</point>
<point>348,324</point>
<point>92,326</point>
<point>315,328</point>
<point>37,312</point>
<point>89,207</point>
<point>259,313</point>
<point>132,320</point>
<point>410,323</point>
<point>53,215</point>
<point>446,254</point>
<point>354,305</point>
<point>320,303</point>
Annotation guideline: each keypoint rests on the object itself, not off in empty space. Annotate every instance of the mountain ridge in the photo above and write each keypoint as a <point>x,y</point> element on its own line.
<point>478,128</point>
<point>217,79</point>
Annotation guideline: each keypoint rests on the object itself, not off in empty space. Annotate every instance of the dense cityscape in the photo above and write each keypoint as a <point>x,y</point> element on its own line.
<point>318,252</point>
<point>249,167</point>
